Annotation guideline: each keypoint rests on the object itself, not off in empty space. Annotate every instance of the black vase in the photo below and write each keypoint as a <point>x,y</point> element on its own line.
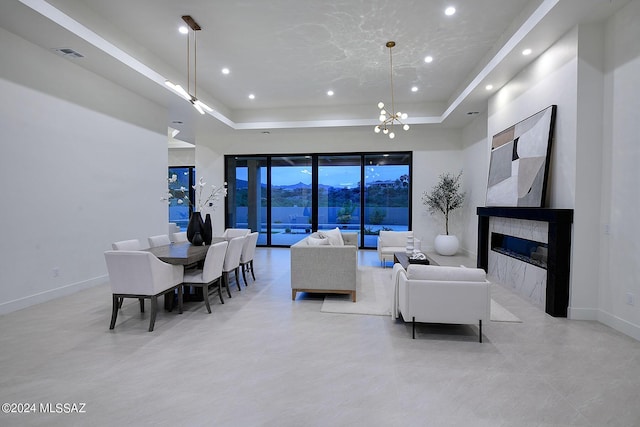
<point>197,239</point>
<point>207,230</point>
<point>195,226</point>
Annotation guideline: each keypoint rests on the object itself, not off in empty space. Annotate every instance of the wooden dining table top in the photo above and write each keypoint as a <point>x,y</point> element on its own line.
<point>182,253</point>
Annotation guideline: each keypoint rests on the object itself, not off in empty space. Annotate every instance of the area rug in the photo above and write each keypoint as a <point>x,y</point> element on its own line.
<point>501,314</point>
<point>373,294</point>
<point>373,297</point>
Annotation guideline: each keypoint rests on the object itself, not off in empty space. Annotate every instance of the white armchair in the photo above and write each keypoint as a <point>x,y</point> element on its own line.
<point>139,274</point>
<point>435,294</point>
<point>394,241</point>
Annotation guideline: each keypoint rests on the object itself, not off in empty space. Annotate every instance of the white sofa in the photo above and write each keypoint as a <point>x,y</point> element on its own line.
<point>394,241</point>
<point>437,294</point>
<point>325,268</point>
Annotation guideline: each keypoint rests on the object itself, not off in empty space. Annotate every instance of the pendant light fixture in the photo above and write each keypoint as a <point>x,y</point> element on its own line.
<point>389,118</point>
<point>186,94</point>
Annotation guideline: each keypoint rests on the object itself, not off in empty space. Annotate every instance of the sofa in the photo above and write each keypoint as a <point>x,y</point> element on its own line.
<point>394,241</point>
<point>325,262</point>
<point>438,294</point>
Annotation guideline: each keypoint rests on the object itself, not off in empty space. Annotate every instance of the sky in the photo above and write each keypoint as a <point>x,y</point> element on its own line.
<point>336,176</point>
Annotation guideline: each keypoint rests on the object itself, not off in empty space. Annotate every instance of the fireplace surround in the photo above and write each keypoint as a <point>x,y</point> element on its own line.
<point>553,246</point>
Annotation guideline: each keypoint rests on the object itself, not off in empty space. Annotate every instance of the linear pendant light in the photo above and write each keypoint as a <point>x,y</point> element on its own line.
<point>186,94</point>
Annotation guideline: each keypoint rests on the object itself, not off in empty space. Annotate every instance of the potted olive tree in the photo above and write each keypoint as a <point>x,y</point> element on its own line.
<point>443,198</point>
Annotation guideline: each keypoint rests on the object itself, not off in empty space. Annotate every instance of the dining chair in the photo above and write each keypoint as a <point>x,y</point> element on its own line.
<point>248,252</point>
<point>159,240</point>
<point>179,237</point>
<point>232,261</point>
<point>210,273</point>
<point>127,245</point>
<point>230,233</point>
<point>139,274</point>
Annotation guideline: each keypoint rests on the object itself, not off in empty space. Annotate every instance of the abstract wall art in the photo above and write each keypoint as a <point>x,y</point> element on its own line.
<point>519,164</point>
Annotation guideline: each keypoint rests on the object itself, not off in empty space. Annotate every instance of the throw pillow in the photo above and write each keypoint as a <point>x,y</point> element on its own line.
<point>313,241</point>
<point>334,236</point>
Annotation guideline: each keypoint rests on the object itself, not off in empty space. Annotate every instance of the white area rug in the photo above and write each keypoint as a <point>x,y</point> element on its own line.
<point>501,314</point>
<point>373,294</point>
<point>373,297</point>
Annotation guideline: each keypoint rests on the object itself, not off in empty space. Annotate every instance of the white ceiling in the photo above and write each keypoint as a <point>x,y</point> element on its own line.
<point>289,53</point>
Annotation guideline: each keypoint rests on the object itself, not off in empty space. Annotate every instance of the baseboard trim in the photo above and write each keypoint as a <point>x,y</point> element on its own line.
<point>582,313</point>
<point>28,301</point>
<point>619,324</point>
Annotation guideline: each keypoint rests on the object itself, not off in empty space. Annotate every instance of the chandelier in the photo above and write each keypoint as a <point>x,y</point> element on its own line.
<point>186,94</point>
<point>389,118</point>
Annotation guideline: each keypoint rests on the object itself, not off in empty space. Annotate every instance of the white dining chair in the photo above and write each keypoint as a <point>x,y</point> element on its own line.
<point>248,252</point>
<point>159,240</point>
<point>210,273</point>
<point>179,237</point>
<point>139,274</point>
<point>127,245</point>
<point>232,261</point>
<point>230,233</point>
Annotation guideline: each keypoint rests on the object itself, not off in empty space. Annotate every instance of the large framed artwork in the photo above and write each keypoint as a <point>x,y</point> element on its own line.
<point>519,164</point>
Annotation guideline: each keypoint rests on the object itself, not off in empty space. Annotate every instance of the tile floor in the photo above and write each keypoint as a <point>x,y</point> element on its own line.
<point>262,360</point>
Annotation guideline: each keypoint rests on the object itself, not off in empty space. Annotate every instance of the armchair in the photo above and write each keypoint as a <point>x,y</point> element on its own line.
<point>393,241</point>
<point>435,294</point>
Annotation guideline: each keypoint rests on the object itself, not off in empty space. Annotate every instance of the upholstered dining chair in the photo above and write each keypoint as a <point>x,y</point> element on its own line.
<point>159,240</point>
<point>232,261</point>
<point>248,252</point>
<point>127,245</point>
<point>230,233</point>
<point>211,273</point>
<point>140,274</point>
<point>179,237</point>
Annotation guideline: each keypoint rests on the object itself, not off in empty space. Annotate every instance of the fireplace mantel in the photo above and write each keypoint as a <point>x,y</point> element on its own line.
<point>559,248</point>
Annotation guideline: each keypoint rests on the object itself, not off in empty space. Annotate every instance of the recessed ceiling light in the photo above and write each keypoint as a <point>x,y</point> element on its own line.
<point>488,87</point>
<point>252,96</point>
<point>183,30</point>
<point>428,59</point>
<point>225,71</point>
<point>450,11</point>
<point>330,92</point>
<point>414,89</point>
<point>526,52</point>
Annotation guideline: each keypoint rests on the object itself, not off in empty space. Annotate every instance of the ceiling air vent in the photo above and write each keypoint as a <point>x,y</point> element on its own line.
<point>68,53</point>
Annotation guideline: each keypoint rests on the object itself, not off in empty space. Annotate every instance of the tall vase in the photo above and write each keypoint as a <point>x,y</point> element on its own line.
<point>195,226</point>
<point>207,230</point>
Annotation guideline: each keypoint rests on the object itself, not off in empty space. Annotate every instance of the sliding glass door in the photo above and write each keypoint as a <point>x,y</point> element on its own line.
<point>387,195</point>
<point>339,203</point>
<point>291,201</point>
<point>246,179</point>
<point>288,197</point>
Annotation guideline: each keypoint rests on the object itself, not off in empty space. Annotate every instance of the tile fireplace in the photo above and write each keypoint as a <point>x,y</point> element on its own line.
<point>529,250</point>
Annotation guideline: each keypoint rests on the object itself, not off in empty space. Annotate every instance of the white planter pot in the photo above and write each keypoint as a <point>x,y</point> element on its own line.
<point>446,244</point>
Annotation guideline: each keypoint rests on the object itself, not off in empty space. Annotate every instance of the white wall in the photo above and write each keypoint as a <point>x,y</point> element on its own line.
<point>74,180</point>
<point>591,73</point>
<point>182,157</point>
<point>435,151</point>
<point>476,171</point>
<point>620,268</point>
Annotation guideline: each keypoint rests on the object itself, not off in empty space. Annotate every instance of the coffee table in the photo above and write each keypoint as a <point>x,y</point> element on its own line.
<point>402,259</point>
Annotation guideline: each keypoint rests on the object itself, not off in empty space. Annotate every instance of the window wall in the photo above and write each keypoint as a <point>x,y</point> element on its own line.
<point>288,197</point>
